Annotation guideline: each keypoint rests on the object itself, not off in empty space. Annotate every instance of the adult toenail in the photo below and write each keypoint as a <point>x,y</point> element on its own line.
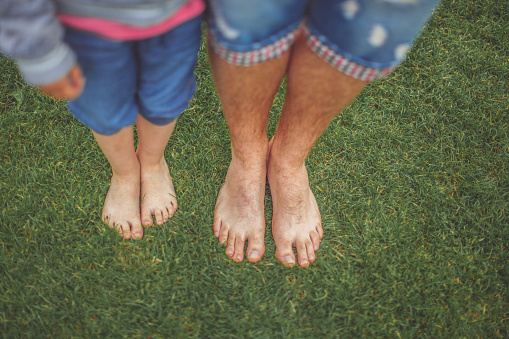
<point>316,247</point>
<point>255,254</point>
<point>138,235</point>
<point>289,260</point>
<point>238,258</point>
<point>311,257</point>
<point>304,263</point>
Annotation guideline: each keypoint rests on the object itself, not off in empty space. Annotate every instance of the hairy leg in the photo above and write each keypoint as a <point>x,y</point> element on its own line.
<point>316,93</point>
<point>121,205</point>
<point>158,198</point>
<point>246,95</point>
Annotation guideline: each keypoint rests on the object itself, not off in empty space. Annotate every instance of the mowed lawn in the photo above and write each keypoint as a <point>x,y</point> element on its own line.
<point>412,181</point>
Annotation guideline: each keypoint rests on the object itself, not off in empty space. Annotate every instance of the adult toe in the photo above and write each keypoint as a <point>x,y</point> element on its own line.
<point>310,251</point>
<point>315,240</point>
<point>255,248</point>
<point>284,253</point>
<point>238,254</point>
<point>216,225</point>
<point>302,253</point>
<point>230,245</point>
<point>223,234</point>
<point>319,229</point>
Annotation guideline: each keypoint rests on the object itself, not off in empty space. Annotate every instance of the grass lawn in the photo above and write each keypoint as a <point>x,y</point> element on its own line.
<point>412,180</point>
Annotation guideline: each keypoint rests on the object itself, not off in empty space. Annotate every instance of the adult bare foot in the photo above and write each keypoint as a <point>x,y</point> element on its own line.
<point>158,197</point>
<point>121,206</point>
<point>239,214</point>
<point>296,220</point>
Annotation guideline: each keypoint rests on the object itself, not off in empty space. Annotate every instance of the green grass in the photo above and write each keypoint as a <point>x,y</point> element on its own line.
<point>412,180</point>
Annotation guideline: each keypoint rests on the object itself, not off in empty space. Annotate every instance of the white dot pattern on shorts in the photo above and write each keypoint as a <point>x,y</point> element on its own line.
<point>342,63</point>
<point>401,51</point>
<point>350,8</point>
<point>377,36</point>
<point>228,31</point>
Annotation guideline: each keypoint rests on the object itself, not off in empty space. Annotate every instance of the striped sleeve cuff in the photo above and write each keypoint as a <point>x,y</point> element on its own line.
<point>49,68</point>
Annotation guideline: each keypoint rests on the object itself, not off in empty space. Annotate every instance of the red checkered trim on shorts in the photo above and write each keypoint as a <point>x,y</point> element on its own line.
<point>249,58</point>
<point>341,63</point>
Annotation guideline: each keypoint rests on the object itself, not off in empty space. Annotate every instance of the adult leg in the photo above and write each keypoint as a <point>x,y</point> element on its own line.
<point>246,95</point>
<point>157,192</point>
<point>316,93</point>
<point>121,205</point>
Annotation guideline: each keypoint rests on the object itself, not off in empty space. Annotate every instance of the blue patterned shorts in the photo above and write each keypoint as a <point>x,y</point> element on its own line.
<point>365,39</point>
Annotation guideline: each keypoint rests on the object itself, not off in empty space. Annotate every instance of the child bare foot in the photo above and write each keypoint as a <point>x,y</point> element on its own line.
<point>296,220</point>
<point>239,214</point>
<point>158,197</point>
<point>121,206</point>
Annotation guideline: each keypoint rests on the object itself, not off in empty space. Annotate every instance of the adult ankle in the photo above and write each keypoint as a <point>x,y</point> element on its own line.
<point>250,156</point>
<point>281,162</point>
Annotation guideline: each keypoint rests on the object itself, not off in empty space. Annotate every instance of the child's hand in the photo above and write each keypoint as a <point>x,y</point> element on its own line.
<point>69,87</point>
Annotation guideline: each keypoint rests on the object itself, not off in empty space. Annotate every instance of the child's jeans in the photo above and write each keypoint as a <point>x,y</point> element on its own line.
<point>152,77</point>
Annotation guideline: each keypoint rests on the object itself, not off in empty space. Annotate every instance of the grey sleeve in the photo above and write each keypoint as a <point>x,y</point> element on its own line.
<point>33,37</point>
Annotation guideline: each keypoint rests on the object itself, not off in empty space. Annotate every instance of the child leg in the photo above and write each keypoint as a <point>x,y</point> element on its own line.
<point>121,206</point>
<point>108,106</point>
<point>157,193</point>
<point>166,84</point>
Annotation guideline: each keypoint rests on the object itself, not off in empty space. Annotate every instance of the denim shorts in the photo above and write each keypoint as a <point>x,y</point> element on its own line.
<point>152,77</point>
<point>365,39</point>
